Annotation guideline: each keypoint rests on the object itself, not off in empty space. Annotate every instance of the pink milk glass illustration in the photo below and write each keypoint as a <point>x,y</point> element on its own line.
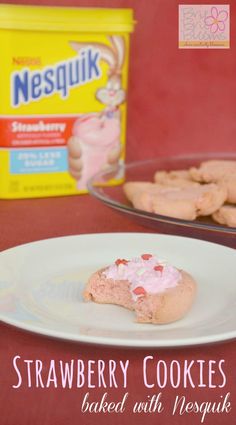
<point>98,138</point>
<point>98,135</point>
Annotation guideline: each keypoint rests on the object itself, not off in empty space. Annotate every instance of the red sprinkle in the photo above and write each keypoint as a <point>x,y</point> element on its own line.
<point>123,261</point>
<point>146,256</point>
<point>159,268</point>
<point>139,291</point>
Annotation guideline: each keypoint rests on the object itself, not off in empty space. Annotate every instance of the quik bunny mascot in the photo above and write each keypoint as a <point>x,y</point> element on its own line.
<point>95,143</point>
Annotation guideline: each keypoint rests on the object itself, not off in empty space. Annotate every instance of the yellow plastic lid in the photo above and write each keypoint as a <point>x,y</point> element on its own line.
<point>50,18</point>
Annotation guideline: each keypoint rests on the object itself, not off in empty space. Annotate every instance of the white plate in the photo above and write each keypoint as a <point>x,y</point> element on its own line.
<point>41,287</point>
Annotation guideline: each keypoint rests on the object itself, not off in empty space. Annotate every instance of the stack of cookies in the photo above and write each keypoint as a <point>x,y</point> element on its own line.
<point>209,190</point>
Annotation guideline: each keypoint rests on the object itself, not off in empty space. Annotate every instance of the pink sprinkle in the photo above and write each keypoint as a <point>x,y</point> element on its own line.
<point>146,256</point>
<point>159,268</point>
<point>119,261</point>
<point>139,291</point>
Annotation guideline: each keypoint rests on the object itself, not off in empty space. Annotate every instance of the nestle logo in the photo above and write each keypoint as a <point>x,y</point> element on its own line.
<point>26,61</point>
<point>204,26</point>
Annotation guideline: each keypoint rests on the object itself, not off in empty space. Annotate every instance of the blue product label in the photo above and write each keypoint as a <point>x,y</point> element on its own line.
<point>44,160</point>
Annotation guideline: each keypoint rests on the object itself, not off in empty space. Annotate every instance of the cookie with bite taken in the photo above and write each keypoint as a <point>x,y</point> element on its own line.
<point>157,292</point>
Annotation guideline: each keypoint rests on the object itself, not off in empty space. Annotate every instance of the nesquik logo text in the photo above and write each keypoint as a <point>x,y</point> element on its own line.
<point>30,86</point>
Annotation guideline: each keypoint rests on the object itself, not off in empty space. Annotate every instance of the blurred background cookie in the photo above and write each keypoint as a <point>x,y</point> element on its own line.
<point>185,203</point>
<point>226,215</point>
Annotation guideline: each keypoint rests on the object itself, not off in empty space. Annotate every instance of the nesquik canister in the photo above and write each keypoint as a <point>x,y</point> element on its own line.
<point>63,83</point>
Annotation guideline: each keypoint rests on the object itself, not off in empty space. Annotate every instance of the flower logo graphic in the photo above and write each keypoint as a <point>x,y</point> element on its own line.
<point>216,21</point>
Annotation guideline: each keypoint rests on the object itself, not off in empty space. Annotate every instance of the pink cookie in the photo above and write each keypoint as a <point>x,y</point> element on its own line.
<point>226,215</point>
<point>229,183</point>
<point>218,171</point>
<point>213,170</point>
<point>132,188</point>
<point>157,292</point>
<point>186,203</point>
<point>178,178</point>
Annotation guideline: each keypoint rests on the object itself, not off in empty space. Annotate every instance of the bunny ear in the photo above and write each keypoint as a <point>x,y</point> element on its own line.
<point>76,46</point>
<point>119,46</point>
<point>106,53</point>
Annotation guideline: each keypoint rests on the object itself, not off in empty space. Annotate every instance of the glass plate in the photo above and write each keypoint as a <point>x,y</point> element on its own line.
<point>113,196</point>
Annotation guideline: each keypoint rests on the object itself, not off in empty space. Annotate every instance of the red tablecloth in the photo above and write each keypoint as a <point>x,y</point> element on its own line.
<point>29,220</point>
